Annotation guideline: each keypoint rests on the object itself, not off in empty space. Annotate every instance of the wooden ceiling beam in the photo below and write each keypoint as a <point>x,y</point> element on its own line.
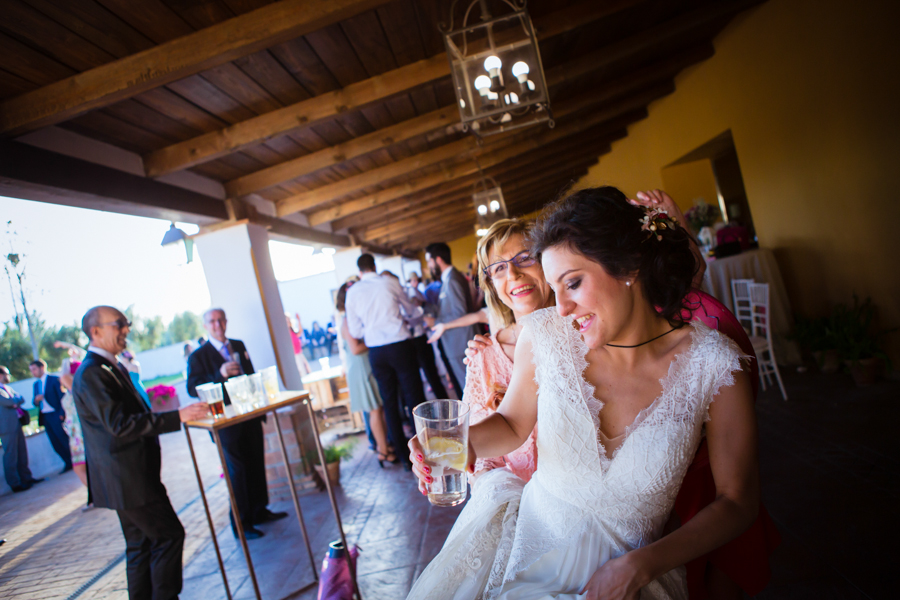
<point>560,171</point>
<point>564,164</point>
<point>335,155</point>
<point>445,230</point>
<point>383,138</point>
<point>215,144</point>
<point>310,199</point>
<point>413,204</point>
<point>173,60</point>
<point>517,147</point>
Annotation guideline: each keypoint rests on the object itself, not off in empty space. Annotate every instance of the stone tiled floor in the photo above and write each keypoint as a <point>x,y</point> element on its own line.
<point>829,462</point>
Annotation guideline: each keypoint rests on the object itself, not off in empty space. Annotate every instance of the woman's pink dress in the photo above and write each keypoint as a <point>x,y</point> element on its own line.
<point>487,378</point>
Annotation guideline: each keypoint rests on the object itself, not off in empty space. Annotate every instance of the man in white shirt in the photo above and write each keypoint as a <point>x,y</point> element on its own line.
<point>377,312</point>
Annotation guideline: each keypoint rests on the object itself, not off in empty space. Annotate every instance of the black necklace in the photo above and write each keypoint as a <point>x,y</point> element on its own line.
<point>642,343</point>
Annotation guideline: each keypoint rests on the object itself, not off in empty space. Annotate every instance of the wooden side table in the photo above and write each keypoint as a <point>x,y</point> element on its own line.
<point>284,400</point>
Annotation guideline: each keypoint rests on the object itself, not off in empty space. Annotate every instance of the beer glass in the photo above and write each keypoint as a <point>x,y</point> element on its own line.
<point>215,398</point>
<point>442,427</point>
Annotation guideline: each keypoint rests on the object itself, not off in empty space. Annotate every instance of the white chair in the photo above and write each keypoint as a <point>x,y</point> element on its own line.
<point>761,335</point>
<point>740,297</point>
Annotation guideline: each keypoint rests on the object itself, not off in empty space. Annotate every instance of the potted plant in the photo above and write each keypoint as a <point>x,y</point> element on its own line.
<point>812,335</point>
<point>334,454</point>
<point>161,397</point>
<point>850,328</point>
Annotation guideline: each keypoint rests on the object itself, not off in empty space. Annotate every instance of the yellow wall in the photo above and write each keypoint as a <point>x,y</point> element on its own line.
<point>809,90</point>
<point>462,252</point>
<point>689,182</point>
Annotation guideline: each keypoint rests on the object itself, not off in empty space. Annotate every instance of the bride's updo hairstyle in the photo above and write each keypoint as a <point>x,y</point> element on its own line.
<point>601,225</point>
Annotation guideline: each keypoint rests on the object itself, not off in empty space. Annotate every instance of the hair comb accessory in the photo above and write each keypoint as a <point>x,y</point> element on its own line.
<point>655,220</point>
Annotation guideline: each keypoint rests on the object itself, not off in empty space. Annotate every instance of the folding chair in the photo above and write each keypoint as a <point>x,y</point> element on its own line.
<point>761,335</point>
<point>740,296</point>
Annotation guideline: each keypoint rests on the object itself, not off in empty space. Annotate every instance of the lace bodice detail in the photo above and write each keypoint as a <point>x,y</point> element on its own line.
<point>576,486</point>
<point>487,379</point>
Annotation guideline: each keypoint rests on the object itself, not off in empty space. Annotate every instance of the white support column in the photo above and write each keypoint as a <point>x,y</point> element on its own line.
<point>345,263</point>
<point>242,283</point>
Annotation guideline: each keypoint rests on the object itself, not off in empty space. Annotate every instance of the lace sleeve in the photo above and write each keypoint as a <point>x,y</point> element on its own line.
<point>723,359</point>
<point>478,395</point>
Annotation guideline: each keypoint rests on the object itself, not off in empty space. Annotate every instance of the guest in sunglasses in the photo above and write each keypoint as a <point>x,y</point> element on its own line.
<point>121,439</point>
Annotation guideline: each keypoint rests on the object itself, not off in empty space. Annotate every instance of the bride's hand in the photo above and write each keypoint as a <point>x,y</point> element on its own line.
<point>617,579</point>
<point>476,345</point>
<point>422,470</point>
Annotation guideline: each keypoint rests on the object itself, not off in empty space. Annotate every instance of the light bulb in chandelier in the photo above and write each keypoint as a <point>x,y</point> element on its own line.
<point>482,209</point>
<point>495,206</point>
<point>520,71</point>
<point>483,84</point>
<point>492,65</point>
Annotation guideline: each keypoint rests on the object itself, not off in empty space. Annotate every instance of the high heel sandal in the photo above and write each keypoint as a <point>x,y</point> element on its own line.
<point>389,457</point>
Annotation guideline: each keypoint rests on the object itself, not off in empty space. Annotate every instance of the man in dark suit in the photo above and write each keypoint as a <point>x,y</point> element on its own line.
<point>122,448</point>
<point>15,452</point>
<point>216,361</point>
<point>51,416</point>
<point>455,301</point>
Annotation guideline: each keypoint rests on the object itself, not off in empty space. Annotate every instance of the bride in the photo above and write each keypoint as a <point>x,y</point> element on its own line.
<point>622,390</point>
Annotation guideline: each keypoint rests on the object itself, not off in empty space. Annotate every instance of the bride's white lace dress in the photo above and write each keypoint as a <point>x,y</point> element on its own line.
<point>581,508</point>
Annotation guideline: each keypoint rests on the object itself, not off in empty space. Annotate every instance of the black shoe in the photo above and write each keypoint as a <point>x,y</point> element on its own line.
<point>251,533</point>
<point>34,481</point>
<point>21,488</point>
<point>66,470</point>
<point>267,516</point>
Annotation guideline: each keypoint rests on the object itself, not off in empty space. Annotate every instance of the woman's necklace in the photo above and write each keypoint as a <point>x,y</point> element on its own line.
<point>642,343</point>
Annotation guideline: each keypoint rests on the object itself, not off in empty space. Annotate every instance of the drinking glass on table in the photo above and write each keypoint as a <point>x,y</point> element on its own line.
<point>239,391</point>
<point>257,390</point>
<point>442,427</point>
<point>270,382</point>
<point>214,397</point>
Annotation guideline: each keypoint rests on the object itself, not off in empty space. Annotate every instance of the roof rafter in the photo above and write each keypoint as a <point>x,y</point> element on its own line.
<point>255,130</point>
<point>516,147</point>
<point>173,60</point>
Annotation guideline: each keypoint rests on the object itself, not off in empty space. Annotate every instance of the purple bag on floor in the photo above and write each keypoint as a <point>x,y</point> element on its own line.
<point>335,582</point>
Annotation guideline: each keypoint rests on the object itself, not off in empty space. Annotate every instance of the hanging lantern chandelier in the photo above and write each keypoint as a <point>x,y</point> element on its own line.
<point>496,65</point>
<point>489,204</point>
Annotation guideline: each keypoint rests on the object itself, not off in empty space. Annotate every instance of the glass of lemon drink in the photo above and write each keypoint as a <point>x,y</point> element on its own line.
<point>442,427</point>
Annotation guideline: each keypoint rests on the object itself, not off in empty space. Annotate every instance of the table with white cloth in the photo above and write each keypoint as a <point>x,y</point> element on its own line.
<point>760,266</point>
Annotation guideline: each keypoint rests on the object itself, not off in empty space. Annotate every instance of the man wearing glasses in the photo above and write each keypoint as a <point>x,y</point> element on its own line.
<point>121,438</point>
<point>217,361</point>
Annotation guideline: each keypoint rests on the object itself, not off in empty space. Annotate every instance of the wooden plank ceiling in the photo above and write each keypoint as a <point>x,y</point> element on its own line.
<point>339,110</point>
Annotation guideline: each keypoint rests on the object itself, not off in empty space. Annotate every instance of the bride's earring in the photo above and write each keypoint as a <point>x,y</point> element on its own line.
<point>628,283</point>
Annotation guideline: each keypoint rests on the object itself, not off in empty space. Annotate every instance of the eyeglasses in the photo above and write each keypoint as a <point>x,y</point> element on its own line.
<point>500,269</point>
<point>120,323</point>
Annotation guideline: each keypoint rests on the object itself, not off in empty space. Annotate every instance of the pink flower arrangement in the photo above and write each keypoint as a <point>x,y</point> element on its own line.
<point>161,393</point>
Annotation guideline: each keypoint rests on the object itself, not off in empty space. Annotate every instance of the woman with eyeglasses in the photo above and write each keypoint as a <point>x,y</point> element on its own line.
<point>596,531</point>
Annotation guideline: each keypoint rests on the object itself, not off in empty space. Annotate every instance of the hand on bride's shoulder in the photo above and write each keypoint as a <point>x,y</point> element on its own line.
<point>618,579</point>
<point>476,345</point>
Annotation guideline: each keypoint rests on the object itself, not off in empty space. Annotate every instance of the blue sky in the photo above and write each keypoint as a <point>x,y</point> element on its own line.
<point>77,258</point>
